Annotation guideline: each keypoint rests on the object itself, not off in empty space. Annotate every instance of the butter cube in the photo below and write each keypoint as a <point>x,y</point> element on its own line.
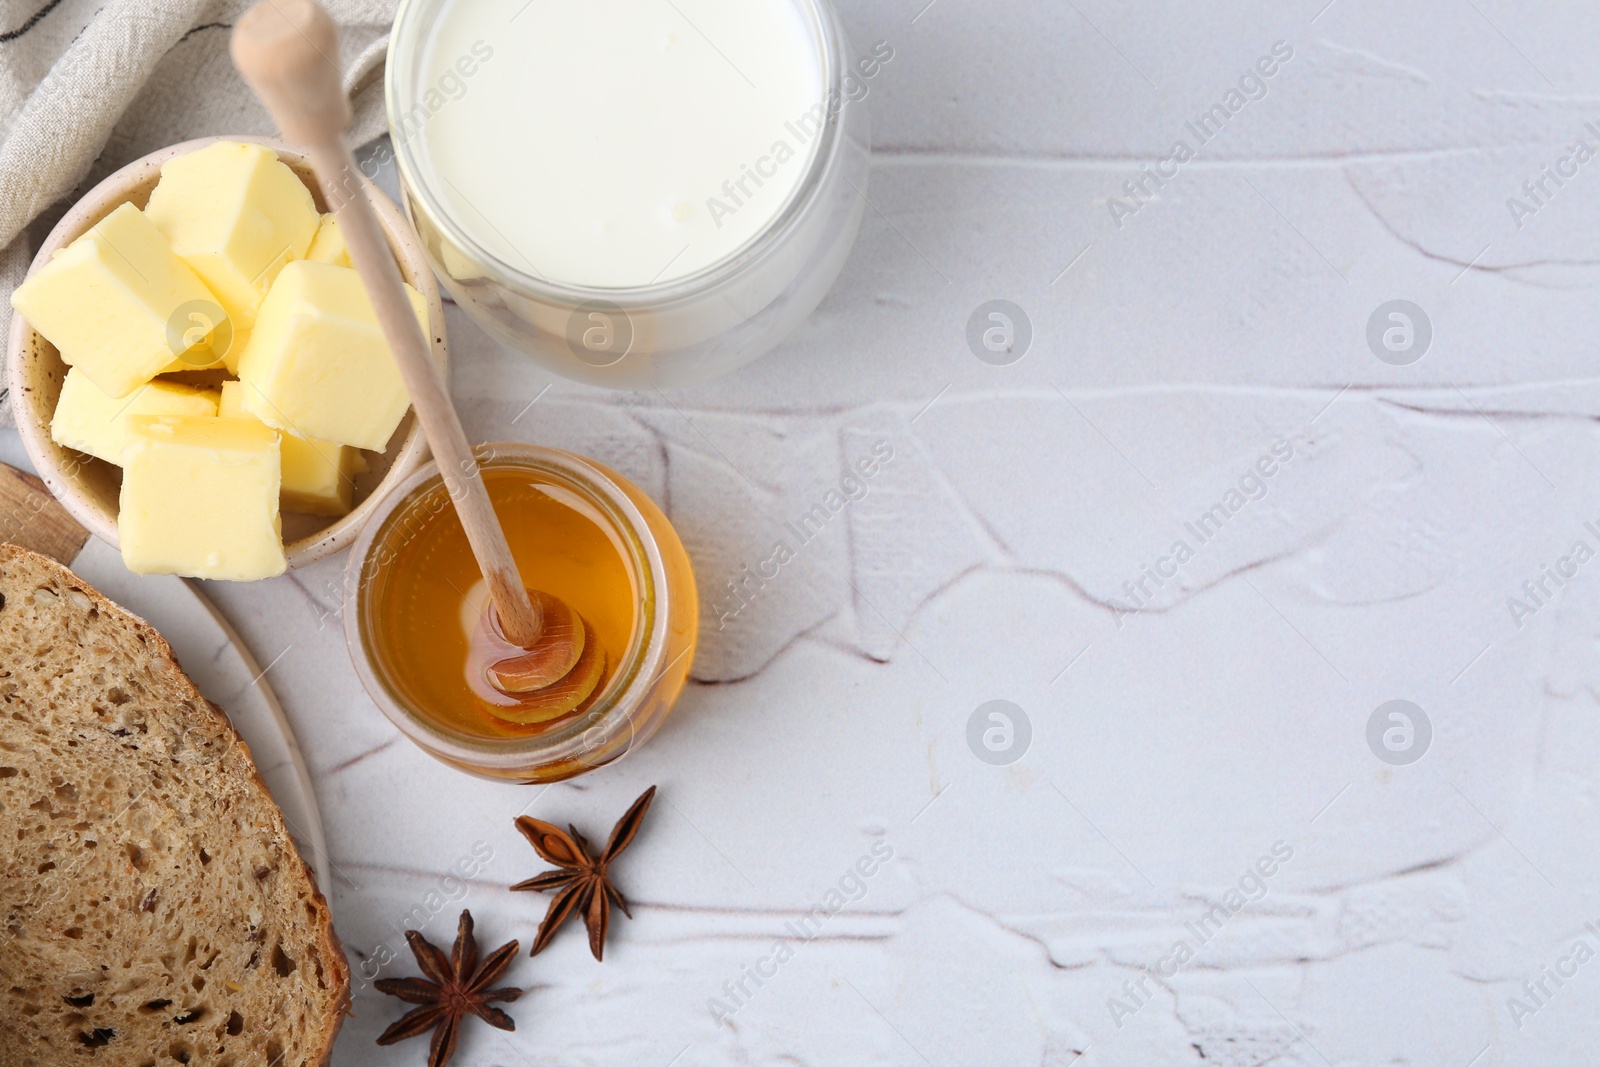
<point>219,349</point>
<point>200,498</point>
<point>317,364</point>
<point>89,421</point>
<point>318,476</point>
<point>328,245</point>
<point>236,214</point>
<point>115,302</point>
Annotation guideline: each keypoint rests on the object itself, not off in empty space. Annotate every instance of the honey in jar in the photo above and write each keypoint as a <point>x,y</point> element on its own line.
<point>581,535</point>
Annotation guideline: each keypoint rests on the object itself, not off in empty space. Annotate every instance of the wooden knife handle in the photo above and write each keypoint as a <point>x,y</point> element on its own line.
<point>31,517</point>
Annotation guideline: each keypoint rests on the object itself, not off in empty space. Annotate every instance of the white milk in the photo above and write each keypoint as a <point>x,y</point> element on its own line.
<point>617,143</point>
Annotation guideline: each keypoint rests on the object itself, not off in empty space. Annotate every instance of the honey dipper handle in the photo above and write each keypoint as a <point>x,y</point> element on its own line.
<point>285,49</point>
<point>288,52</point>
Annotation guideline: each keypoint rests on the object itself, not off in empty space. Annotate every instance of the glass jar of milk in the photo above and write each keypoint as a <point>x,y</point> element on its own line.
<point>634,192</point>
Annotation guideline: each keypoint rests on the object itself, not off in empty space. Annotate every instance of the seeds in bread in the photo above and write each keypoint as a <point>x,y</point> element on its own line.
<point>153,908</point>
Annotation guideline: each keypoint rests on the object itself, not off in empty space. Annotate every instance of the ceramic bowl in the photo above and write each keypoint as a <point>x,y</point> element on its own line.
<point>88,487</point>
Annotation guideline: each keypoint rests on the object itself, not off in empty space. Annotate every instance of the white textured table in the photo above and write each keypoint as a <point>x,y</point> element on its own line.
<point>1179,731</point>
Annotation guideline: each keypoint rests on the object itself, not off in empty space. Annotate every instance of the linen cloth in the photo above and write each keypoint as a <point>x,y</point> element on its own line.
<point>87,86</point>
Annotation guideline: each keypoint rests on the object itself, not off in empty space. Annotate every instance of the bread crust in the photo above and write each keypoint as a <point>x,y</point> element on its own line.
<point>14,559</point>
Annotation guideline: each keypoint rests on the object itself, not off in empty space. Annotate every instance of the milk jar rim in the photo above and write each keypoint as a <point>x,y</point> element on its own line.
<point>412,20</point>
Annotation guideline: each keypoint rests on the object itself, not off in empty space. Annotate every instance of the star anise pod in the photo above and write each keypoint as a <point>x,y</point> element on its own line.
<point>459,985</point>
<point>583,883</point>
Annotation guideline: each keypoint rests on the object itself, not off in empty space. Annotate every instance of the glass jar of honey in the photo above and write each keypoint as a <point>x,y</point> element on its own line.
<point>580,532</point>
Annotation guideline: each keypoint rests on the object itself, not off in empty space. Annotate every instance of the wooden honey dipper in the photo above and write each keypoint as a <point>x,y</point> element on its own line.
<point>533,657</point>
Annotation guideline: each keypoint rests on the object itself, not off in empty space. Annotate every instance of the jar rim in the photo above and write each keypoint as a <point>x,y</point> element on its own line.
<point>637,671</point>
<point>409,26</point>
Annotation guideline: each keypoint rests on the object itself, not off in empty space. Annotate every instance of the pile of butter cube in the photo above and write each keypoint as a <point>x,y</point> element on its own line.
<point>228,270</point>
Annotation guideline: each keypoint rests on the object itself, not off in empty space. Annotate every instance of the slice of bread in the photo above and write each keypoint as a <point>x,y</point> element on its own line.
<point>153,908</point>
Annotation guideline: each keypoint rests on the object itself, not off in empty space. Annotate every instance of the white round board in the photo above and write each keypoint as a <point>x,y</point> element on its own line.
<point>211,653</point>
